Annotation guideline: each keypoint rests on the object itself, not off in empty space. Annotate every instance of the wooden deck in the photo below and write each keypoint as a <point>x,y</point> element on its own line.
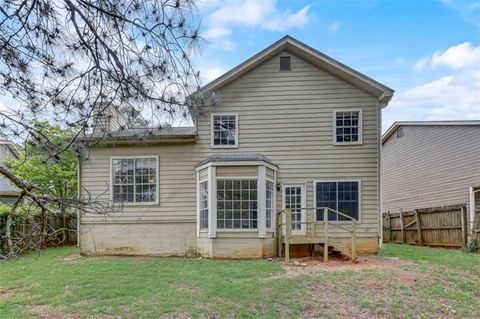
<point>297,240</point>
<point>286,238</point>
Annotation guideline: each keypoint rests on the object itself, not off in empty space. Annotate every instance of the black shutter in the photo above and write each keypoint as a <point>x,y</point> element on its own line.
<point>284,63</point>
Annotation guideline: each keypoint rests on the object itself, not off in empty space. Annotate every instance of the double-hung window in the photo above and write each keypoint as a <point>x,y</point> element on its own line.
<point>203,204</point>
<point>347,127</point>
<point>134,180</point>
<point>269,200</point>
<point>342,196</point>
<point>237,204</point>
<point>224,130</point>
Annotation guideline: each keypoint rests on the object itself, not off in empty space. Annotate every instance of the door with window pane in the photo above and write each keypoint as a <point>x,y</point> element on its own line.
<point>294,198</point>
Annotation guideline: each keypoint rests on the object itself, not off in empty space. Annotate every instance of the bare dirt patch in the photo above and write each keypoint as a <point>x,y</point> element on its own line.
<point>311,265</point>
<point>44,312</point>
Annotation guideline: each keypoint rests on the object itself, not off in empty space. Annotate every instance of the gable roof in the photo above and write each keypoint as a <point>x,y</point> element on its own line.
<point>317,58</point>
<point>396,125</point>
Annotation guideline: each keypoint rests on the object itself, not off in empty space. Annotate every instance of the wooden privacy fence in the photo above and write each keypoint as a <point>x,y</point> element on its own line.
<point>439,226</point>
<point>62,231</point>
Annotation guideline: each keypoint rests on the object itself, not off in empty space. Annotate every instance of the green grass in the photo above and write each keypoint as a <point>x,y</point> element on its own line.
<point>436,283</point>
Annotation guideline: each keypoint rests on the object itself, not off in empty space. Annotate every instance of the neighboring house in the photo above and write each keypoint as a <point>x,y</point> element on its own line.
<point>430,164</point>
<point>294,128</point>
<point>8,193</point>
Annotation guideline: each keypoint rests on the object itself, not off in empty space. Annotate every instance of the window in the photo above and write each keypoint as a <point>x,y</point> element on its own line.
<point>134,180</point>
<point>224,130</point>
<point>269,204</point>
<point>340,196</point>
<point>348,126</point>
<point>203,189</point>
<point>285,63</point>
<point>236,204</point>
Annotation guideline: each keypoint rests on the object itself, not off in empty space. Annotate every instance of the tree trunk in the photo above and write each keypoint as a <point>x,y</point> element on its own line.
<point>8,226</point>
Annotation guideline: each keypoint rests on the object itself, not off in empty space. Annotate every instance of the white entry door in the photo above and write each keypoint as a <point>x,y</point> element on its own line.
<point>294,198</point>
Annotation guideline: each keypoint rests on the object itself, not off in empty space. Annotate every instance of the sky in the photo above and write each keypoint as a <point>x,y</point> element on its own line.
<point>427,51</point>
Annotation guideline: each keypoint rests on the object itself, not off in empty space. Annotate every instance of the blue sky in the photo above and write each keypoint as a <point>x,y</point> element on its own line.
<point>428,51</point>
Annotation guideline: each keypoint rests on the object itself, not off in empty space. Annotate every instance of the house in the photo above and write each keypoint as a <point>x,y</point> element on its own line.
<point>294,129</point>
<point>8,193</point>
<point>432,164</point>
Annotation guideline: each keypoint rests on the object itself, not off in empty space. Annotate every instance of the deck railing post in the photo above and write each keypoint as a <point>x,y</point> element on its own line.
<point>354,240</point>
<point>288,230</point>
<point>279,234</point>
<point>325,234</point>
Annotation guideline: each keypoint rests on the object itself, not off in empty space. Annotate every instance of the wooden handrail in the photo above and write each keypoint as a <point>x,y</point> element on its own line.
<point>288,228</point>
<point>316,208</point>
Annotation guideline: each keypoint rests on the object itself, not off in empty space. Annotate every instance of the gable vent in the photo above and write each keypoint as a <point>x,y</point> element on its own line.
<point>284,63</point>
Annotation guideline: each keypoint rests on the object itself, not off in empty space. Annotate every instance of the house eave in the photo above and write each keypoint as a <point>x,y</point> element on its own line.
<point>396,125</point>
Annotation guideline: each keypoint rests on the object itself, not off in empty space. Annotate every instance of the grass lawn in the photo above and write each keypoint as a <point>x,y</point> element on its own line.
<point>422,283</point>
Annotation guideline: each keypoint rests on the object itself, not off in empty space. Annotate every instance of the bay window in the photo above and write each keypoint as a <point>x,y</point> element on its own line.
<point>203,205</point>
<point>237,204</point>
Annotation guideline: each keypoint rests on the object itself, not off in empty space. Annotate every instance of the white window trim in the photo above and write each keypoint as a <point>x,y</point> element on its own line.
<point>272,227</point>
<point>360,127</point>
<point>212,145</point>
<point>359,181</point>
<point>238,230</point>
<point>200,230</point>
<point>157,166</point>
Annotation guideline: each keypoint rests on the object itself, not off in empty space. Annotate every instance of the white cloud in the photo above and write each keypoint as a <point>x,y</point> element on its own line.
<point>223,16</point>
<point>210,73</point>
<point>334,27</point>
<point>287,20</point>
<point>460,56</point>
<point>454,95</point>
<point>216,32</point>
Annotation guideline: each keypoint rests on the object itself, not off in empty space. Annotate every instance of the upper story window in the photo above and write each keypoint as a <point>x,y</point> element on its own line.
<point>348,127</point>
<point>224,130</point>
<point>134,180</point>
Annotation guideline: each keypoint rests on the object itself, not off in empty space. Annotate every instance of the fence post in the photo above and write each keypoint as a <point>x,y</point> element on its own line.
<point>402,228</point>
<point>389,229</point>
<point>419,227</point>
<point>288,230</point>
<point>463,216</point>
<point>325,234</point>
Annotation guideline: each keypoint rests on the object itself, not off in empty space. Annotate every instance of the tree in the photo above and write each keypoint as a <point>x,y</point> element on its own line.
<point>63,59</point>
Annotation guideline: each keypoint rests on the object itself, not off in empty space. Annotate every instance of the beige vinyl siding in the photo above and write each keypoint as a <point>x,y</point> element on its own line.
<point>203,174</point>
<point>430,166</point>
<point>270,173</point>
<point>286,116</point>
<point>237,171</point>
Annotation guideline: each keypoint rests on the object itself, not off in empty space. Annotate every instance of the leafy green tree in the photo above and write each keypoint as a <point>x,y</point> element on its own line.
<point>50,176</point>
<point>53,176</point>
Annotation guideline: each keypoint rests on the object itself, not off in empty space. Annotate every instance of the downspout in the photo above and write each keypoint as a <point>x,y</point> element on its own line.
<point>379,170</point>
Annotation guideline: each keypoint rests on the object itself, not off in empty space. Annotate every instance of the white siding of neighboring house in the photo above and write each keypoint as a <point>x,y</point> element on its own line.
<point>8,192</point>
<point>430,166</point>
<point>284,115</point>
